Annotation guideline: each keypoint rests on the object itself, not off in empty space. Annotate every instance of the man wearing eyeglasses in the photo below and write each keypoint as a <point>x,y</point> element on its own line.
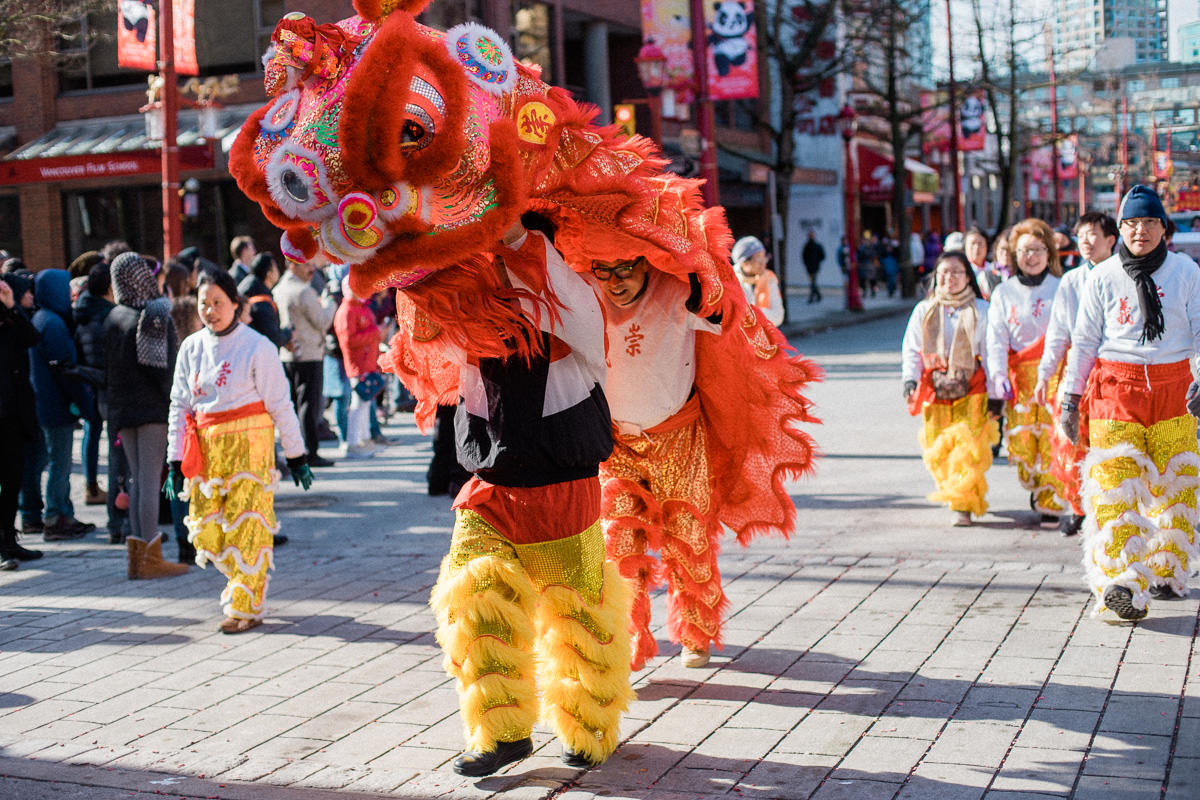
<point>1134,342</point>
<point>679,389</point>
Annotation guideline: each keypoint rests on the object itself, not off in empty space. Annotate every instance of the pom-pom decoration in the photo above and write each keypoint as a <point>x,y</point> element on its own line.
<point>484,55</point>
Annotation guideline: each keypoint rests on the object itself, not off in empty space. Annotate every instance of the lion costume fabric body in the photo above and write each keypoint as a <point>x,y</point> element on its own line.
<point>407,153</point>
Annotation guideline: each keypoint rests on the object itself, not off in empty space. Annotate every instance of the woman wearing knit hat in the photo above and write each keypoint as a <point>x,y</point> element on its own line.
<point>1128,370</point>
<point>139,357</point>
<point>759,283</point>
<point>1017,320</point>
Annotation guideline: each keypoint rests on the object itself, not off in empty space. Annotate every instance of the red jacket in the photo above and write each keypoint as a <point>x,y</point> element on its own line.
<point>358,336</point>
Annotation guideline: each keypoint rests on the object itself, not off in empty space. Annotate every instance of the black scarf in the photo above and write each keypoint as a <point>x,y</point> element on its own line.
<point>1141,268</point>
<point>1032,280</point>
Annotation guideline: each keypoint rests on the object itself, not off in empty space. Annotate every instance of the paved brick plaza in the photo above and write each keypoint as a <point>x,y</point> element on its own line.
<point>880,654</point>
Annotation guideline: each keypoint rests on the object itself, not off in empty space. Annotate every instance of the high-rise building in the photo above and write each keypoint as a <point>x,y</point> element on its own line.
<point>1083,27</point>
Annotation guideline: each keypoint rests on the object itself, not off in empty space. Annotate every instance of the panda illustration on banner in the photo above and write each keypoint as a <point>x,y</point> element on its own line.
<point>730,46</point>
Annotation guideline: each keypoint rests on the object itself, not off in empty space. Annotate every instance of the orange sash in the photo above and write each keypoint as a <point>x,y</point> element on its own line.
<point>193,457</point>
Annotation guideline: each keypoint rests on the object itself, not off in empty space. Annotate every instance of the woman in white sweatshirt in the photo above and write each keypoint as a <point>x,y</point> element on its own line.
<point>1135,342</point>
<point>1017,321</point>
<point>229,395</point>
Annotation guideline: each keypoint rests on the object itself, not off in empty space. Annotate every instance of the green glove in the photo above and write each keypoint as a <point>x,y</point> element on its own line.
<point>301,473</point>
<point>172,487</point>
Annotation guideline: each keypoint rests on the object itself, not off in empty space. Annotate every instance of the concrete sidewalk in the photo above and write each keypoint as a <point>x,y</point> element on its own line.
<point>878,654</point>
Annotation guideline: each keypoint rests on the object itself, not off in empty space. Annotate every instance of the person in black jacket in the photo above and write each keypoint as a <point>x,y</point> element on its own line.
<point>256,288</point>
<point>139,352</point>
<point>89,310</point>
<point>17,417</point>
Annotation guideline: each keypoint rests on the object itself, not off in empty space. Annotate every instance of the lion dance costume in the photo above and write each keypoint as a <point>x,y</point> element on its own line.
<point>1017,320</point>
<point>1140,474</point>
<point>706,415</point>
<point>408,153</point>
<point>946,334</point>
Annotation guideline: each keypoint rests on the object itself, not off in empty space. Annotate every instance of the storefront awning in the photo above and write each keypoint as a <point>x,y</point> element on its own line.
<point>875,179</point>
<point>116,147</point>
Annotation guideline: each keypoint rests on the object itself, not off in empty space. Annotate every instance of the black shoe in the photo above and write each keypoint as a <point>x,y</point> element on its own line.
<point>279,540</point>
<point>1165,592</point>
<point>576,760</point>
<point>187,553</point>
<point>319,461</point>
<point>11,550</point>
<point>62,530</point>
<point>475,765</point>
<point>1120,602</point>
<point>1069,524</point>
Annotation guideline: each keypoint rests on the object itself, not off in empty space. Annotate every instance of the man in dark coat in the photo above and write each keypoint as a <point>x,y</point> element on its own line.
<point>58,399</point>
<point>812,255</point>
<point>17,416</point>
<point>91,310</point>
<point>256,288</point>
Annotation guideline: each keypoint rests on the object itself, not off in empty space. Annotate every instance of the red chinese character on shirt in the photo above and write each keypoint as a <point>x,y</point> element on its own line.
<point>223,373</point>
<point>633,340</point>
<point>1039,305</point>
<point>1124,315</point>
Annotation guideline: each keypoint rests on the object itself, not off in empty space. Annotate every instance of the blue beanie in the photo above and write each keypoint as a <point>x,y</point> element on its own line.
<point>746,247</point>
<point>1142,201</point>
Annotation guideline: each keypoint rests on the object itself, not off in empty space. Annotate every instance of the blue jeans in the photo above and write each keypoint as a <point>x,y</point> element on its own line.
<point>58,472</point>
<point>91,449</point>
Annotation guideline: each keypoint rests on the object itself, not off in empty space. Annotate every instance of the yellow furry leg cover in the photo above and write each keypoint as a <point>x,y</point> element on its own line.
<point>1172,548</point>
<point>584,652</point>
<point>956,445</point>
<point>1115,492</point>
<point>484,607</point>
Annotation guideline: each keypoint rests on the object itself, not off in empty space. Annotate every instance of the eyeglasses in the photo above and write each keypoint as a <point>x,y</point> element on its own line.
<point>622,272</point>
<point>1031,251</point>
<point>1145,223</point>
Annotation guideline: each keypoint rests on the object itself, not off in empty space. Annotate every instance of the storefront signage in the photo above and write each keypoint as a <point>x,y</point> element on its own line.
<point>63,169</point>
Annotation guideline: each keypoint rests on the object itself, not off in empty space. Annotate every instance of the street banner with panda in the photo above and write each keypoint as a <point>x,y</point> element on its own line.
<point>732,50</point>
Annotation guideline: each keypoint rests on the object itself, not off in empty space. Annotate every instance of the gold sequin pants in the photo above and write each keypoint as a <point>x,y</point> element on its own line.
<point>231,512</point>
<point>516,620</point>
<point>657,494</point>
<point>956,445</point>
<point>1139,490</point>
<point>1030,442</point>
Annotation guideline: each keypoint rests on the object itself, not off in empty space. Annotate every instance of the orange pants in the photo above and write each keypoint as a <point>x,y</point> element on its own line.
<point>657,494</point>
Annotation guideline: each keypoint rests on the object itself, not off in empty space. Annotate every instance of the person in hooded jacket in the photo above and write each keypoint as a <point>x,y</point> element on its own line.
<point>17,416</point>
<point>59,399</point>
<point>140,349</point>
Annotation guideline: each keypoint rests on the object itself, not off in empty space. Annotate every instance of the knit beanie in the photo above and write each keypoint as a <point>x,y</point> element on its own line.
<point>745,247</point>
<point>1142,201</point>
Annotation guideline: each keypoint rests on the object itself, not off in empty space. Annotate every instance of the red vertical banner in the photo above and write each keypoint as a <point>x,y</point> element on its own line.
<point>732,50</point>
<point>183,24</point>
<point>137,38</point>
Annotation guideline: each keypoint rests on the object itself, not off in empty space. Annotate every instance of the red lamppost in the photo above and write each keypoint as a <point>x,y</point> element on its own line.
<point>848,122</point>
<point>652,70</point>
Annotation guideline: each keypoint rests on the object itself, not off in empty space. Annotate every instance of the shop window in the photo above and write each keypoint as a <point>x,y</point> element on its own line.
<point>10,224</point>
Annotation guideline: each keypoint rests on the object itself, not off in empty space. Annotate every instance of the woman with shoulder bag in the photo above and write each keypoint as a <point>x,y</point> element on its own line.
<point>945,382</point>
<point>1017,321</point>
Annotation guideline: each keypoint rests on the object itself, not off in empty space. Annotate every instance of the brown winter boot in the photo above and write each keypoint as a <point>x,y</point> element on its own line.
<point>153,565</point>
<point>135,551</point>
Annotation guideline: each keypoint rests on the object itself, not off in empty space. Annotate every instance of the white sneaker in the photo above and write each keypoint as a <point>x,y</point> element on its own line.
<point>359,451</point>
